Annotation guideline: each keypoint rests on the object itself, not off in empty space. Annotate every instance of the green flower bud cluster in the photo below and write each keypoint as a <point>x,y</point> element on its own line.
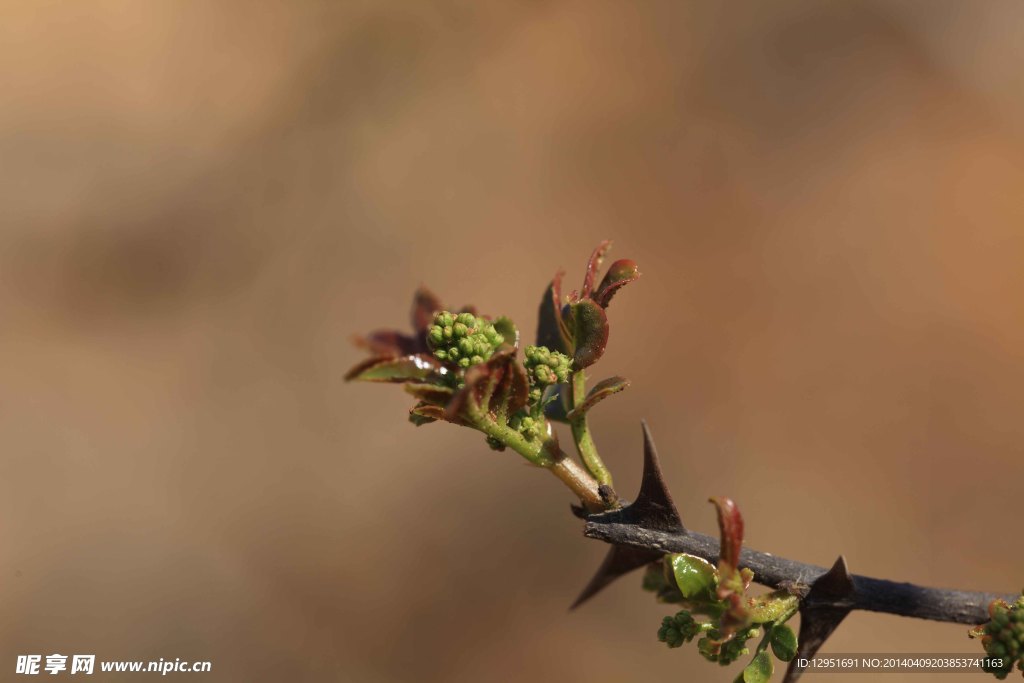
<point>1003,638</point>
<point>526,425</point>
<point>681,628</point>
<point>714,650</point>
<point>545,367</point>
<point>463,339</point>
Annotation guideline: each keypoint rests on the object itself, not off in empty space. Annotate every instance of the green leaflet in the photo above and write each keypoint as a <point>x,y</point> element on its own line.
<point>696,577</point>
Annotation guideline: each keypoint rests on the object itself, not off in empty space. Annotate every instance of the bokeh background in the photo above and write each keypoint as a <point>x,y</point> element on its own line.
<point>203,202</point>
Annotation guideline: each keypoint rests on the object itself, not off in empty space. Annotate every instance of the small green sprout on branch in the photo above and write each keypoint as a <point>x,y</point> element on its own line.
<point>463,368</point>
<point>1003,637</point>
<point>729,618</point>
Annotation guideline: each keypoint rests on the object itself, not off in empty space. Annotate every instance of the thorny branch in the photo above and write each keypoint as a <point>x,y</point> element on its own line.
<point>462,369</point>
<point>875,595</point>
<point>650,527</point>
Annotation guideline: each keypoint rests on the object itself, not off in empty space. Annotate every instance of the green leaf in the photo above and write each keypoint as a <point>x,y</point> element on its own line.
<point>415,368</point>
<point>588,326</point>
<point>760,669</point>
<point>783,641</point>
<point>695,576</point>
<point>778,605</point>
<point>507,329</point>
<point>600,392</point>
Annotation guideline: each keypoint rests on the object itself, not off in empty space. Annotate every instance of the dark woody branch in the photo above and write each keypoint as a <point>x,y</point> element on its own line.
<point>876,595</point>
<point>462,369</point>
<point>650,527</point>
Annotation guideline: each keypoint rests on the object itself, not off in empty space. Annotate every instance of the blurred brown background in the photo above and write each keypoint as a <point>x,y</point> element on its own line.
<point>203,202</point>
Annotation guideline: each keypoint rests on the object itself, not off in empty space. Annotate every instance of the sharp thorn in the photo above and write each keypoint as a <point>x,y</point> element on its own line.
<point>621,559</point>
<point>818,622</point>
<point>652,509</point>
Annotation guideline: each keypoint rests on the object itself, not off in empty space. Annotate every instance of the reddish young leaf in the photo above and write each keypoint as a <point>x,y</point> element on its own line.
<point>730,526</point>
<point>388,343</point>
<point>499,385</point>
<point>593,265</point>
<point>551,327</point>
<point>601,391</point>
<point>424,305</point>
<point>405,369</point>
<point>391,343</point>
<point>434,394</point>
<point>425,413</point>
<point>733,581</point>
<point>589,327</point>
<point>619,274</point>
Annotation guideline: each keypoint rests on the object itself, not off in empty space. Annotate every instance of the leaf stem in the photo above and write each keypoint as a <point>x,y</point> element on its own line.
<point>543,453</point>
<point>585,445</point>
<point>577,479</point>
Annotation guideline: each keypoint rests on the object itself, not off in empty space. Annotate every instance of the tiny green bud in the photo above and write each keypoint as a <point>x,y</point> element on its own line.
<point>708,648</point>
<point>681,628</point>
<point>1003,637</point>
<point>526,425</point>
<point>545,367</point>
<point>669,634</point>
<point>544,375</point>
<point>462,339</point>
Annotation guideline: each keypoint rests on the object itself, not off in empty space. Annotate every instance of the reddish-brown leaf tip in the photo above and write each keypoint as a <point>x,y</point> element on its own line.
<point>619,274</point>
<point>593,265</point>
<point>730,527</point>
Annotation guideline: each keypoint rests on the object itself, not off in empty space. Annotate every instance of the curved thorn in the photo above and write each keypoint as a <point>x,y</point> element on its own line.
<point>621,559</point>
<point>652,509</point>
<point>817,622</point>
